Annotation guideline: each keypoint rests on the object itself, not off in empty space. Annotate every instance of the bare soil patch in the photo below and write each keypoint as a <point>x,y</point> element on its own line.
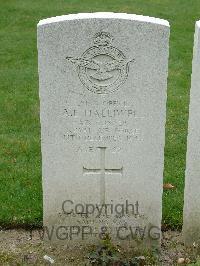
<point>19,247</point>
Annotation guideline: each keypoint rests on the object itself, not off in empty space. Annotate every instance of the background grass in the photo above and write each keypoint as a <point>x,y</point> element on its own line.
<point>20,159</point>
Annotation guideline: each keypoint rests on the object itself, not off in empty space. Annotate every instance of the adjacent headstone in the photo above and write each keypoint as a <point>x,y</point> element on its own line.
<point>191,221</point>
<point>103,82</point>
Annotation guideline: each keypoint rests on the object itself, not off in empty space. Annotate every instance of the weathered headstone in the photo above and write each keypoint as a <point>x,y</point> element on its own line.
<point>191,221</point>
<point>103,81</point>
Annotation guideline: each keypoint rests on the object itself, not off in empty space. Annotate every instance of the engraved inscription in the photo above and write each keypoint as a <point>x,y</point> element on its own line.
<point>109,120</point>
<point>102,68</point>
<point>102,171</point>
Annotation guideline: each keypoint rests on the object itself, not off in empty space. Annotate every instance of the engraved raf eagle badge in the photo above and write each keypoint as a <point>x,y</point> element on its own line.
<point>102,68</point>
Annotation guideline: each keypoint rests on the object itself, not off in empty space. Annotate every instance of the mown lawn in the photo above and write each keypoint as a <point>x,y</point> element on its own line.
<point>20,159</point>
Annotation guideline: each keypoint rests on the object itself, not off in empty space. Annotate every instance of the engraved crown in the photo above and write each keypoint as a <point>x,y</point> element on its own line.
<point>102,38</point>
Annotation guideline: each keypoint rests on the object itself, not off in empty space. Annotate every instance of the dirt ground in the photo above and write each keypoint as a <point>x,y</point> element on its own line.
<point>19,247</point>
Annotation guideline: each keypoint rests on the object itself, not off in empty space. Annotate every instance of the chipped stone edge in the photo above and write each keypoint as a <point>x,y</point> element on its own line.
<point>104,15</point>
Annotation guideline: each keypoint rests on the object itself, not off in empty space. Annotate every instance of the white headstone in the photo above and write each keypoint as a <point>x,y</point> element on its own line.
<point>191,221</point>
<point>103,82</point>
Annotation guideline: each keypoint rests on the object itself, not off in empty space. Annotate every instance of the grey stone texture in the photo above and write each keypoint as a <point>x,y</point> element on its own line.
<point>191,219</point>
<point>103,83</point>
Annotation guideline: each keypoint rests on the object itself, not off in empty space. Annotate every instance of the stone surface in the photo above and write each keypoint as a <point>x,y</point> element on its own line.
<point>191,221</point>
<point>103,82</point>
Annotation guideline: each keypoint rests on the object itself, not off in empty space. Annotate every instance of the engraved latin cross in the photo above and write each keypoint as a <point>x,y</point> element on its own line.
<point>102,171</point>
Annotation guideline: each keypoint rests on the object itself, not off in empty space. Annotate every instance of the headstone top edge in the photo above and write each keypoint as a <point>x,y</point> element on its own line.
<point>106,15</point>
<point>198,24</point>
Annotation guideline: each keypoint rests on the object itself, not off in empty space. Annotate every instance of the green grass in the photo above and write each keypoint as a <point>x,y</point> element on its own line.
<point>20,159</point>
